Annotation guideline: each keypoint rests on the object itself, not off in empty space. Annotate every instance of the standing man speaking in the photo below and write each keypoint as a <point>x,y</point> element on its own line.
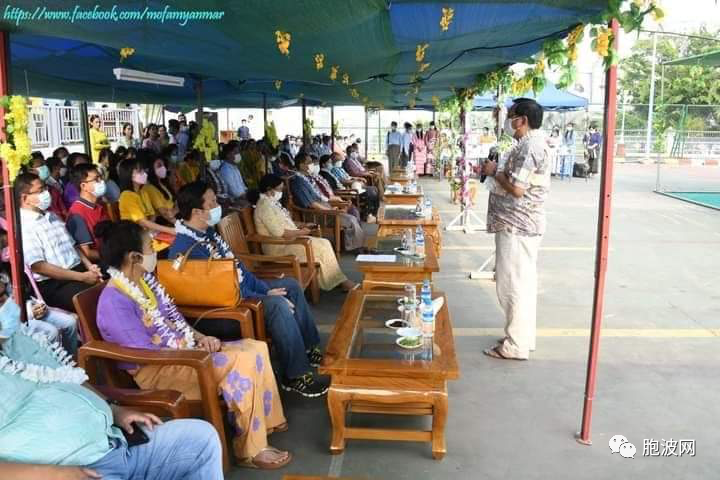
<point>516,215</point>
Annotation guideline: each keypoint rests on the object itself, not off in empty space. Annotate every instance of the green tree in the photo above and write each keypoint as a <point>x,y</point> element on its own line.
<point>684,84</point>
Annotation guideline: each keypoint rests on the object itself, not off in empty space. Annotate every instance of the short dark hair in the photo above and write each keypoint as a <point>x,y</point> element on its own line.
<point>37,154</point>
<point>325,159</point>
<point>57,151</point>
<point>125,173</point>
<point>172,123</point>
<point>53,163</point>
<point>301,158</point>
<point>23,184</point>
<point>190,197</point>
<point>118,239</point>
<point>80,173</point>
<point>393,123</point>
<point>226,150</point>
<point>74,157</point>
<point>527,107</point>
<point>268,182</point>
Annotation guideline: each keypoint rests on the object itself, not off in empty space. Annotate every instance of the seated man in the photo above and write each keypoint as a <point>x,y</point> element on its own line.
<point>39,167</point>
<point>54,425</point>
<point>71,193</point>
<point>326,189</point>
<point>58,265</point>
<point>355,168</point>
<point>332,171</point>
<point>287,313</point>
<point>283,167</point>
<point>86,212</point>
<point>306,195</point>
<point>230,171</point>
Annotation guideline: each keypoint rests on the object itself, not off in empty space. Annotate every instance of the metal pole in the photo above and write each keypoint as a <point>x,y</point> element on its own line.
<point>332,127</point>
<point>85,124</point>
<point>651,106</point>
<point>198,92</point>
<point>662,84</point>
<point>14,236</point>
<point>622,124</point>
<point>603,240</point>
<point>366,133</point>
<point>305,135</point>
<point>379,133</point>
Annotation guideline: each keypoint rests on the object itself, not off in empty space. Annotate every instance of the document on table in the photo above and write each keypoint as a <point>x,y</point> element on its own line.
<point>376,258</point>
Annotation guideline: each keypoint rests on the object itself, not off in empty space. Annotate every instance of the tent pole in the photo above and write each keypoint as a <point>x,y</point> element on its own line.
<point>198,92</point>
<point>11,213</point>
<point>380,134</point>
<point>603,240</point>
<point>305,135</point>
<point>85,124</point>
<point>332,127</point>
<point>366,132</point>
<point>264,110</point>
<point>651,106</point>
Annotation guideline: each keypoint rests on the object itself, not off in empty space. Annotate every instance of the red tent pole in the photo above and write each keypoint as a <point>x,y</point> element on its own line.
<point>16,269</point>
<point>603,239</point>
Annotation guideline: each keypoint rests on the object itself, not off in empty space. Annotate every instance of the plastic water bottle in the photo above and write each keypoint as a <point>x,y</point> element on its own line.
<point>419,208</point>
<point>428,322</point>
<point>426,292</point>
<point>419,242</point>
<point>428,208</point>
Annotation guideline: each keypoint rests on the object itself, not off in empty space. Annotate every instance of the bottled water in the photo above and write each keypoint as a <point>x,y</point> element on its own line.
<point>428,208</point>
<point>428,320</point>
<point>419,208</point>
<point>426,292</point>
<point>419,242</point>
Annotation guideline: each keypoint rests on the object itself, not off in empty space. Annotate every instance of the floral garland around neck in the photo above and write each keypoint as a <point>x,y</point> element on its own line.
<point>314,187</point>
<point>67,372</point>
<point>213,242</point>
<point>167,325</point>
<point>279,206</point>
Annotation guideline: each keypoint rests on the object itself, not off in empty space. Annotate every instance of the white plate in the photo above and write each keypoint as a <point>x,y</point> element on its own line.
<point>419,344</point>
<point>409,332</point>
<point>389,322</point>
<point>402,251</point>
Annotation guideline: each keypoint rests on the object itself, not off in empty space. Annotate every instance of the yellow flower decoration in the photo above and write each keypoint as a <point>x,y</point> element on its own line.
<point>420,52</point>
<point>447,17</point>
<point>334,72</point>
<point>658,14</point>
<point>423,67</point>
<point>283,41</point>
<point>602,42</point>
<point>278,84</point>
<point>573,53</point>
<point>346,79</point>
<point>319,61</point>
<point>126,52</point>
<point>354,93</point>
<point>206,141</point>
<point>574,35</point>
<point>16,151</point>
<point>640,3</point>
<point>540,64</point>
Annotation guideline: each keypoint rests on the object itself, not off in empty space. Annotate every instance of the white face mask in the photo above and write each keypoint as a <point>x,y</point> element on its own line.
<point>44,200</point>
<point>161,172</point>
<point>140,178</point>
<point>238,158</point>
<point>99,189</point>
<point>338,164</point>
<point>215,164</point>
<point>277,196</point>
<point>314,169</point>
<point>63,171</point>
<point>149,262</point>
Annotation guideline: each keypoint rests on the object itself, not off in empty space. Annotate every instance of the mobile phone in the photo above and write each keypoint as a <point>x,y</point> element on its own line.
<point>138,437</point>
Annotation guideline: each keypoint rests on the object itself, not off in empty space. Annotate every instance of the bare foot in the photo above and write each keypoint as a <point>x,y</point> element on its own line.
<point>271,458</point>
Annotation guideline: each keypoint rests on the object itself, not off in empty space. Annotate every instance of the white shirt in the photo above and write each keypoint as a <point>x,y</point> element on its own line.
<point>394,138</point>
<point>406,142</point>
<point>45,239</point>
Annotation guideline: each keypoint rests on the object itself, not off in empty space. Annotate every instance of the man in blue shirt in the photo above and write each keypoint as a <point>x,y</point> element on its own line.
<point>287,313</point>
<point>54,425</point>
<point>243,132</point>
<point>230,173</point>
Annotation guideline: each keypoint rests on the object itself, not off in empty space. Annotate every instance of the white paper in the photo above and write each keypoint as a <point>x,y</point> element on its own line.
<point>376,258</point>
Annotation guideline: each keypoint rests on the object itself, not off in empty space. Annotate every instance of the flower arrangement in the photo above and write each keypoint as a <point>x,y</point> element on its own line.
<point>283,42</point>
<point>17,146</point>
<point>420,52</point>
<point>271,134</point>
<point>206,141</point>
<point>308,127</point>
<point>346,79</point>
<point>125,53</point>
<point>334,72</point>
<point>278,84</point>
<point>446,19</point>
<point>319,61</point>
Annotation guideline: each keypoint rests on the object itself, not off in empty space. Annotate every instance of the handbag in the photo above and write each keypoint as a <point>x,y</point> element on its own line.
<point>200,283</point>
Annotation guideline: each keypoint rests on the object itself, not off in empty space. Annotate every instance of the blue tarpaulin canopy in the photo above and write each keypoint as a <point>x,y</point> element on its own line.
<point>237,59</point>
<point>550,98</point>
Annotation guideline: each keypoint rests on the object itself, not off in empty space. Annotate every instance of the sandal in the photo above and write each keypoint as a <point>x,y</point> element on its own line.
<point>264,465</point>
<point>279,429</point>
<point>496,353</point>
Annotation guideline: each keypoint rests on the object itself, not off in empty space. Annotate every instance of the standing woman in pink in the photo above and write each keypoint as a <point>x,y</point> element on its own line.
<point>430,138</point>
<point>419,149</point>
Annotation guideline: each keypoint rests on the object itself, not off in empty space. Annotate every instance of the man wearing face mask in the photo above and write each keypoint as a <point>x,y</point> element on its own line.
<point>406,145</point>
<point>394,139</point>
<point>50,176</point>
<point>59,267</point>
<point>230,173</point>
<point>287,313</point>
<point>516,215</point>
<point>86,212</point>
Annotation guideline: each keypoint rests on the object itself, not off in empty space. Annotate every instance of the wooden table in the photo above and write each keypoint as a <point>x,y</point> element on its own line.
<point>371,374</point>
<point>401,177</point>
<point>394,219</point>
<point>400,198</point>
<point>404,270</point>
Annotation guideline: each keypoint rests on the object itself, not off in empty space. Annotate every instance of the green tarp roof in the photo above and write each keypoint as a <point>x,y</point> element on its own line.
<point>374,41</point>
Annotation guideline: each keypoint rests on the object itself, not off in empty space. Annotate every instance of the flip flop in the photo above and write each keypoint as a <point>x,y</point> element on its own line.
<point>495,353</point>
<point>261,465</point>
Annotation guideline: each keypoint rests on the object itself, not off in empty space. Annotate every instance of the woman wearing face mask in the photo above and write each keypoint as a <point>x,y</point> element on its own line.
<point>112,191</point>
<point>273,220</point>
<point>136,206</point>
<point>419,150</point>
<point>39,168</point>
<point>158,190</point>
<point>135,311</point>
<point>127,140</point>
<point>98,139</point>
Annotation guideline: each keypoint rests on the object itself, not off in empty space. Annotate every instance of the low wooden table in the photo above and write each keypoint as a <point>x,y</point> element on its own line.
<point>371,374</point>
<point>401,177</point>
<point>394,219</point>
<point>404,270</point>
<point>402,198</point>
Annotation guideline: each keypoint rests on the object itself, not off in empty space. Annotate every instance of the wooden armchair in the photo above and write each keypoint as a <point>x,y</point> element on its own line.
<point>99,359</point>
<point>238,230</point>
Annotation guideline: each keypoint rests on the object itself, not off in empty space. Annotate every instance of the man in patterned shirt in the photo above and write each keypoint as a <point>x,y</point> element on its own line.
<point>516,215</point>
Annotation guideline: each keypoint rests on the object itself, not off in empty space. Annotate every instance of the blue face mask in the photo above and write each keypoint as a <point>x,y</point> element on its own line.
<point>215,216</point>
<point>9,318</point>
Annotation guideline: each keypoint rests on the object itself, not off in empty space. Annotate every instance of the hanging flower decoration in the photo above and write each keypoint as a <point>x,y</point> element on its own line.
<point>278,84</point>
<point>16,149</point>
<point>206,141</point>
<point>435,101</point>
<point>334,72</point>
<point>446,19</point>
<point>271,134</point>
<point>420,52</point>
<point>601,44</point>
<point>125,53</point>
<point>283,42</point>
<point>319,61</point>
<point>354,93</point>
<point>423,67</point>
<point>346,79</point>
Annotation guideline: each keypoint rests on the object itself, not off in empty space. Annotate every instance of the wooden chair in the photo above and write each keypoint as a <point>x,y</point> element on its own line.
<point>238,230</point>
<point>113,211</point>
<point>99,359</point>
<point>327,220</point>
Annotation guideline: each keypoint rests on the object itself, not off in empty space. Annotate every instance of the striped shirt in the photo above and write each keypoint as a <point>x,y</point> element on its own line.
<point>45,239</point>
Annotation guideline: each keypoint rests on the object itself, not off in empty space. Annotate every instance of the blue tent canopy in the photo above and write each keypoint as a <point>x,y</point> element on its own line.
<point>550,98</point>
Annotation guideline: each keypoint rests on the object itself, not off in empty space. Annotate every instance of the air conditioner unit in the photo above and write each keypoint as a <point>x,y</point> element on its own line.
<point>148,77</point>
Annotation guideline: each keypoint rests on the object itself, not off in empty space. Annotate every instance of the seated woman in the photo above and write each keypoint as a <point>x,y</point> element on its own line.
<point>136,206</point>
<point>135,311</point>
<point>306,195</point>
<point>157,189</point>
<point>189,169</point>
<point>287,314</point>
<point>273,220</point>
<point>331,170</point>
